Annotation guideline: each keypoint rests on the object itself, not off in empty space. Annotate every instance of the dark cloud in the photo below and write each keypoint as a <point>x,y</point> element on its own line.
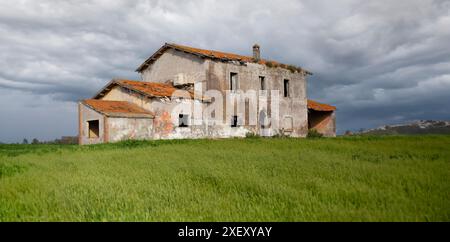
<point>378,61</point>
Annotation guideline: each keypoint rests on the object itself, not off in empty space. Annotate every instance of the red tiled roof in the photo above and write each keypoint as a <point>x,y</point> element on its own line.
<point>117,108</point>
<point>150,89</point>
<point>320,106</point>
<point>215,54</point>
<point>212,54</point>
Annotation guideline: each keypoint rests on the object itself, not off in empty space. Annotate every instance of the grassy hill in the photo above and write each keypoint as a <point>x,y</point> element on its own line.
<point>342,179</point>
<point>421,127</point>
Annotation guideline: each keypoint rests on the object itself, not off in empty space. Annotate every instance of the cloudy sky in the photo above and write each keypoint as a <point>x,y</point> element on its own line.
<point>380,61</point>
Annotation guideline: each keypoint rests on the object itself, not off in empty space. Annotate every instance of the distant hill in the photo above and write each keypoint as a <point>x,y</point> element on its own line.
<point>417,127</point>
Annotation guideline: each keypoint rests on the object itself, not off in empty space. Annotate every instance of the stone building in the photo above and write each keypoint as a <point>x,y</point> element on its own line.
<point>193,93</point>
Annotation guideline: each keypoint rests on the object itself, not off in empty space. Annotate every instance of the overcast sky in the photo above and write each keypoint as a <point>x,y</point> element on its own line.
<point>380,62</point>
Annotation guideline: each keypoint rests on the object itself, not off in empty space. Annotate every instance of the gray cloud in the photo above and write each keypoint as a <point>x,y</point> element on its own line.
<point>378,61</point>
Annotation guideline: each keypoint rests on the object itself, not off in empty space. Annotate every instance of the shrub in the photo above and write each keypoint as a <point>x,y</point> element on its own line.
<point>292,68</point>
<point>252,135</point>
<point>281,134</point>
<point>269,64</point>
<point>313,134</point>
<point>348,133</point>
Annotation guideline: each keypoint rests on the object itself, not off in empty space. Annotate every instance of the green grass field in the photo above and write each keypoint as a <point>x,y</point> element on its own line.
<point>342,179</point>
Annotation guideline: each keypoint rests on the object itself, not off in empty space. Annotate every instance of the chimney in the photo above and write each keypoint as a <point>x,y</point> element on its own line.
<point>256,52</point>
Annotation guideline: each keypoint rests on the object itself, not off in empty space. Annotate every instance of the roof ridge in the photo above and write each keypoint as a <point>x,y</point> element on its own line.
<point>210,50</point>
<point>214,54</point>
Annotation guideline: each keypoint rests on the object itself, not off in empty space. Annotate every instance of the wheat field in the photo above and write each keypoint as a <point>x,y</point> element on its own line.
<point>254,179</point>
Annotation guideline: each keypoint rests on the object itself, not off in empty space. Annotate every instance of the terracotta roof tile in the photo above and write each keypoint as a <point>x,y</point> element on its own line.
<point>216,54</point>
<point>150,88</point>
<point>117,108</point>
<point>320,106</point>
<point>213,55</point>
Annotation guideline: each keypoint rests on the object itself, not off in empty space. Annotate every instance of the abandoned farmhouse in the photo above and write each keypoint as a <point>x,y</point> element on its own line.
<point>193,93</point>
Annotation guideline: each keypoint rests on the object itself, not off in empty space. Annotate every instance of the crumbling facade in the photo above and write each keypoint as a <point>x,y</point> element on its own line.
<point>193,93</point>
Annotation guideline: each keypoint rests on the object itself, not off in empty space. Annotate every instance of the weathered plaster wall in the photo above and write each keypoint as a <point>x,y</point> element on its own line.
<point>167,116</point>
<point>323,122</point>
<point>217,77</point>
<point>121,94</point>
<point>129,129</point>
<point>166,122</point>
<point>293,107</point>
<point>87,114</point>
<point>182,68</point>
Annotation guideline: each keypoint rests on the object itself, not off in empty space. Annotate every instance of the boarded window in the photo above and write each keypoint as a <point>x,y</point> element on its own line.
<point>247,112</point>
<point>93,127</point>
<point>183,120</point>
<point>264,120</point>
<point>234,121</point>
<point>286,88</point>
<point>234,82</point>
<point>262,82</point>
<point>288,123</point>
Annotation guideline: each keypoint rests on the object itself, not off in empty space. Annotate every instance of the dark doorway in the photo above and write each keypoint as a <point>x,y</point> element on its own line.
<point>94,131</point>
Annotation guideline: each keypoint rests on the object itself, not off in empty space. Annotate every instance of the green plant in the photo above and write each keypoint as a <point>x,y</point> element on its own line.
<point>314,134</point>
<point>252,135</point>
<point>269,64</point>
<point>292,68</point>
<point>280,135</point>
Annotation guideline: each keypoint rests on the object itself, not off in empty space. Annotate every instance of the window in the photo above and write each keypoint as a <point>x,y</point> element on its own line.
<point>286,88</point>
<point>264,120</point>
<point>262,81</point>
<point>93,127</point>
<point>288,123</point>
<point>234,121</point>
<point>234,83</point>
<point>183,120</point>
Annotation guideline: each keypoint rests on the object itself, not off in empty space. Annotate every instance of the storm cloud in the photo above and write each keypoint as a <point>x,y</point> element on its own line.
<point>379,62</point>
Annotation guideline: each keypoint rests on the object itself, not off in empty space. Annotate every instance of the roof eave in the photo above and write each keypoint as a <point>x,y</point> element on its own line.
<point>109,85</point>
<point>321,107</point>
<point>153,57</point>
<point>90,107</point>
<point>129,115</point>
